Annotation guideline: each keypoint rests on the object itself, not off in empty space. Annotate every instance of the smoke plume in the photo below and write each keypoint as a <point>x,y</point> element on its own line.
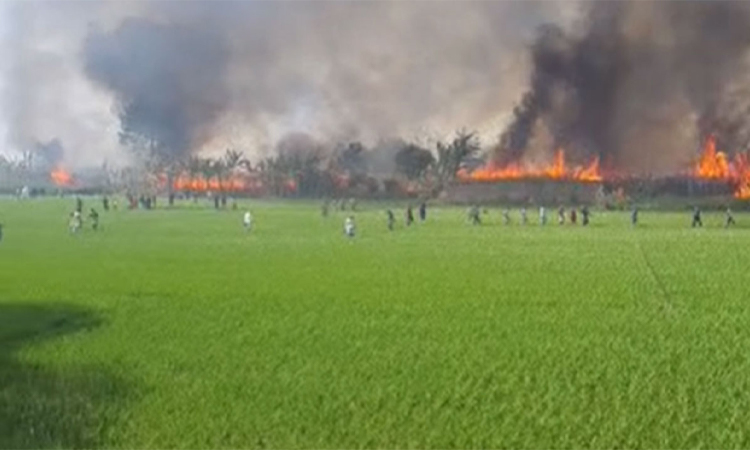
<point>168,81</point>
<point>638,84</point>
<point>177,78</point>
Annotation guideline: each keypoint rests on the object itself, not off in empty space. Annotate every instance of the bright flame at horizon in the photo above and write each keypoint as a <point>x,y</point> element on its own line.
<point>201,184</point>
<point>61,177</point>
<point>557,170</point>
<point>715,165</point>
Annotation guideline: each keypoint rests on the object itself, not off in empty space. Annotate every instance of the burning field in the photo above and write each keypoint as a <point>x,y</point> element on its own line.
<point>557,171</point>
<point>716,166</point>
<point>711,168</point>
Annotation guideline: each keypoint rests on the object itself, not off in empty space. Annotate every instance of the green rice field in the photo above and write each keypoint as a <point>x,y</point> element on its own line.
<point>176,329</point>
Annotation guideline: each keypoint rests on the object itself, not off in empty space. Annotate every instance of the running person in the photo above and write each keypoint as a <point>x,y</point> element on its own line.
<point>697,217</point>
<point>506,216</point>
<point>75,222</point>
<point>247,221</point>
<point>349,228</point>
<point>729,218</point>
<point>474,215</point>
<point>94,216</point>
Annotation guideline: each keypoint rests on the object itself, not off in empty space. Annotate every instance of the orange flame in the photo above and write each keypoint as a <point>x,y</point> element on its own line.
<point>558,170</point>
<point>61,177</point>
<point>201,184</point>
<point>712,165</point>
<point>715,165</point>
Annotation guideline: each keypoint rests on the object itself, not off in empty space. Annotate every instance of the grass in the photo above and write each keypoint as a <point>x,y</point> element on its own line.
<point>175,329</point>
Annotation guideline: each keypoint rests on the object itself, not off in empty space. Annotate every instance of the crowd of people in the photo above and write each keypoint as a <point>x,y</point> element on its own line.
<point>474,215</point>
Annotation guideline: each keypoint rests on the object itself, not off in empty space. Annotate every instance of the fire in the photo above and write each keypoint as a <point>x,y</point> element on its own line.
<point>715,165</point>
<point>557,170</point>
<point>201,184</point>
<point>61,177</point>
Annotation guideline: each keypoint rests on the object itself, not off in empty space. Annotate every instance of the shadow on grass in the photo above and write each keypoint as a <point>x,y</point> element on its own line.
<point>41,408</point>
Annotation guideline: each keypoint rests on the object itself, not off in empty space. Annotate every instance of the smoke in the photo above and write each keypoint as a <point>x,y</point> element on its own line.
<point>638,84</point>
<point>50,154</point>
<point>43,93</point>
<point>182,78</point>
<point>168,81</point>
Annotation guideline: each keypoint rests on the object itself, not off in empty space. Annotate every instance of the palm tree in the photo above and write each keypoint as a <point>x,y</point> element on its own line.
<point>450,157</point>
<point>205,169</point>
<point>220,171</point>
<point>233,159</point>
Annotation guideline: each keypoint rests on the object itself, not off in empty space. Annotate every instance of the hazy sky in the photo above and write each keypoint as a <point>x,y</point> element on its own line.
<point>336,70</point>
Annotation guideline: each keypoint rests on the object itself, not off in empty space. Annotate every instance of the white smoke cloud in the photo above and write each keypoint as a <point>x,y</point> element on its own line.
<point>336,70</point>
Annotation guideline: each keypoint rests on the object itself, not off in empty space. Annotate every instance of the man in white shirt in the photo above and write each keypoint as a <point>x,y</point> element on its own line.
<point>349,226</point>
<point>247,220</point>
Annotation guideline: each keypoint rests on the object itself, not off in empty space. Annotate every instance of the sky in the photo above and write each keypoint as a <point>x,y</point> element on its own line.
<point>335,70</point>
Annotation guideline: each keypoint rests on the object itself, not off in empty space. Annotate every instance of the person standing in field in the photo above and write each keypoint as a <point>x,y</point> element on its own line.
<point>94,216</point>
<point>247,221</point>
<point>573,216</point>
<point>391,220</point>
<point>423,212</point>
<point>634,216</point>
<point>409,216</point>
<point>79,205</point>
<point>561,216</point>
<point>105,203</point>
<point>729,218</point>
<point>75,222</point>
<point>506,216</point>
<point>542,216</point>
<point>349,227</point>
<point>474,215</point>
<point>524,218</point>
<point>697,222</point>
<point>585,215</point>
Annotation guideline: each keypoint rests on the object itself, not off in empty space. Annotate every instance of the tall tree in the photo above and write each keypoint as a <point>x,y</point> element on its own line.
<point>450,157</point>
<point>413,161</point>
<point>352,158</point>
<point>233,159</point>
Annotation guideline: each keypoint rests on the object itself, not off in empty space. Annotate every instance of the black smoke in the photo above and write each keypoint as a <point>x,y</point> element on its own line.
<point>632,78</point>
<point>168,81</point>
